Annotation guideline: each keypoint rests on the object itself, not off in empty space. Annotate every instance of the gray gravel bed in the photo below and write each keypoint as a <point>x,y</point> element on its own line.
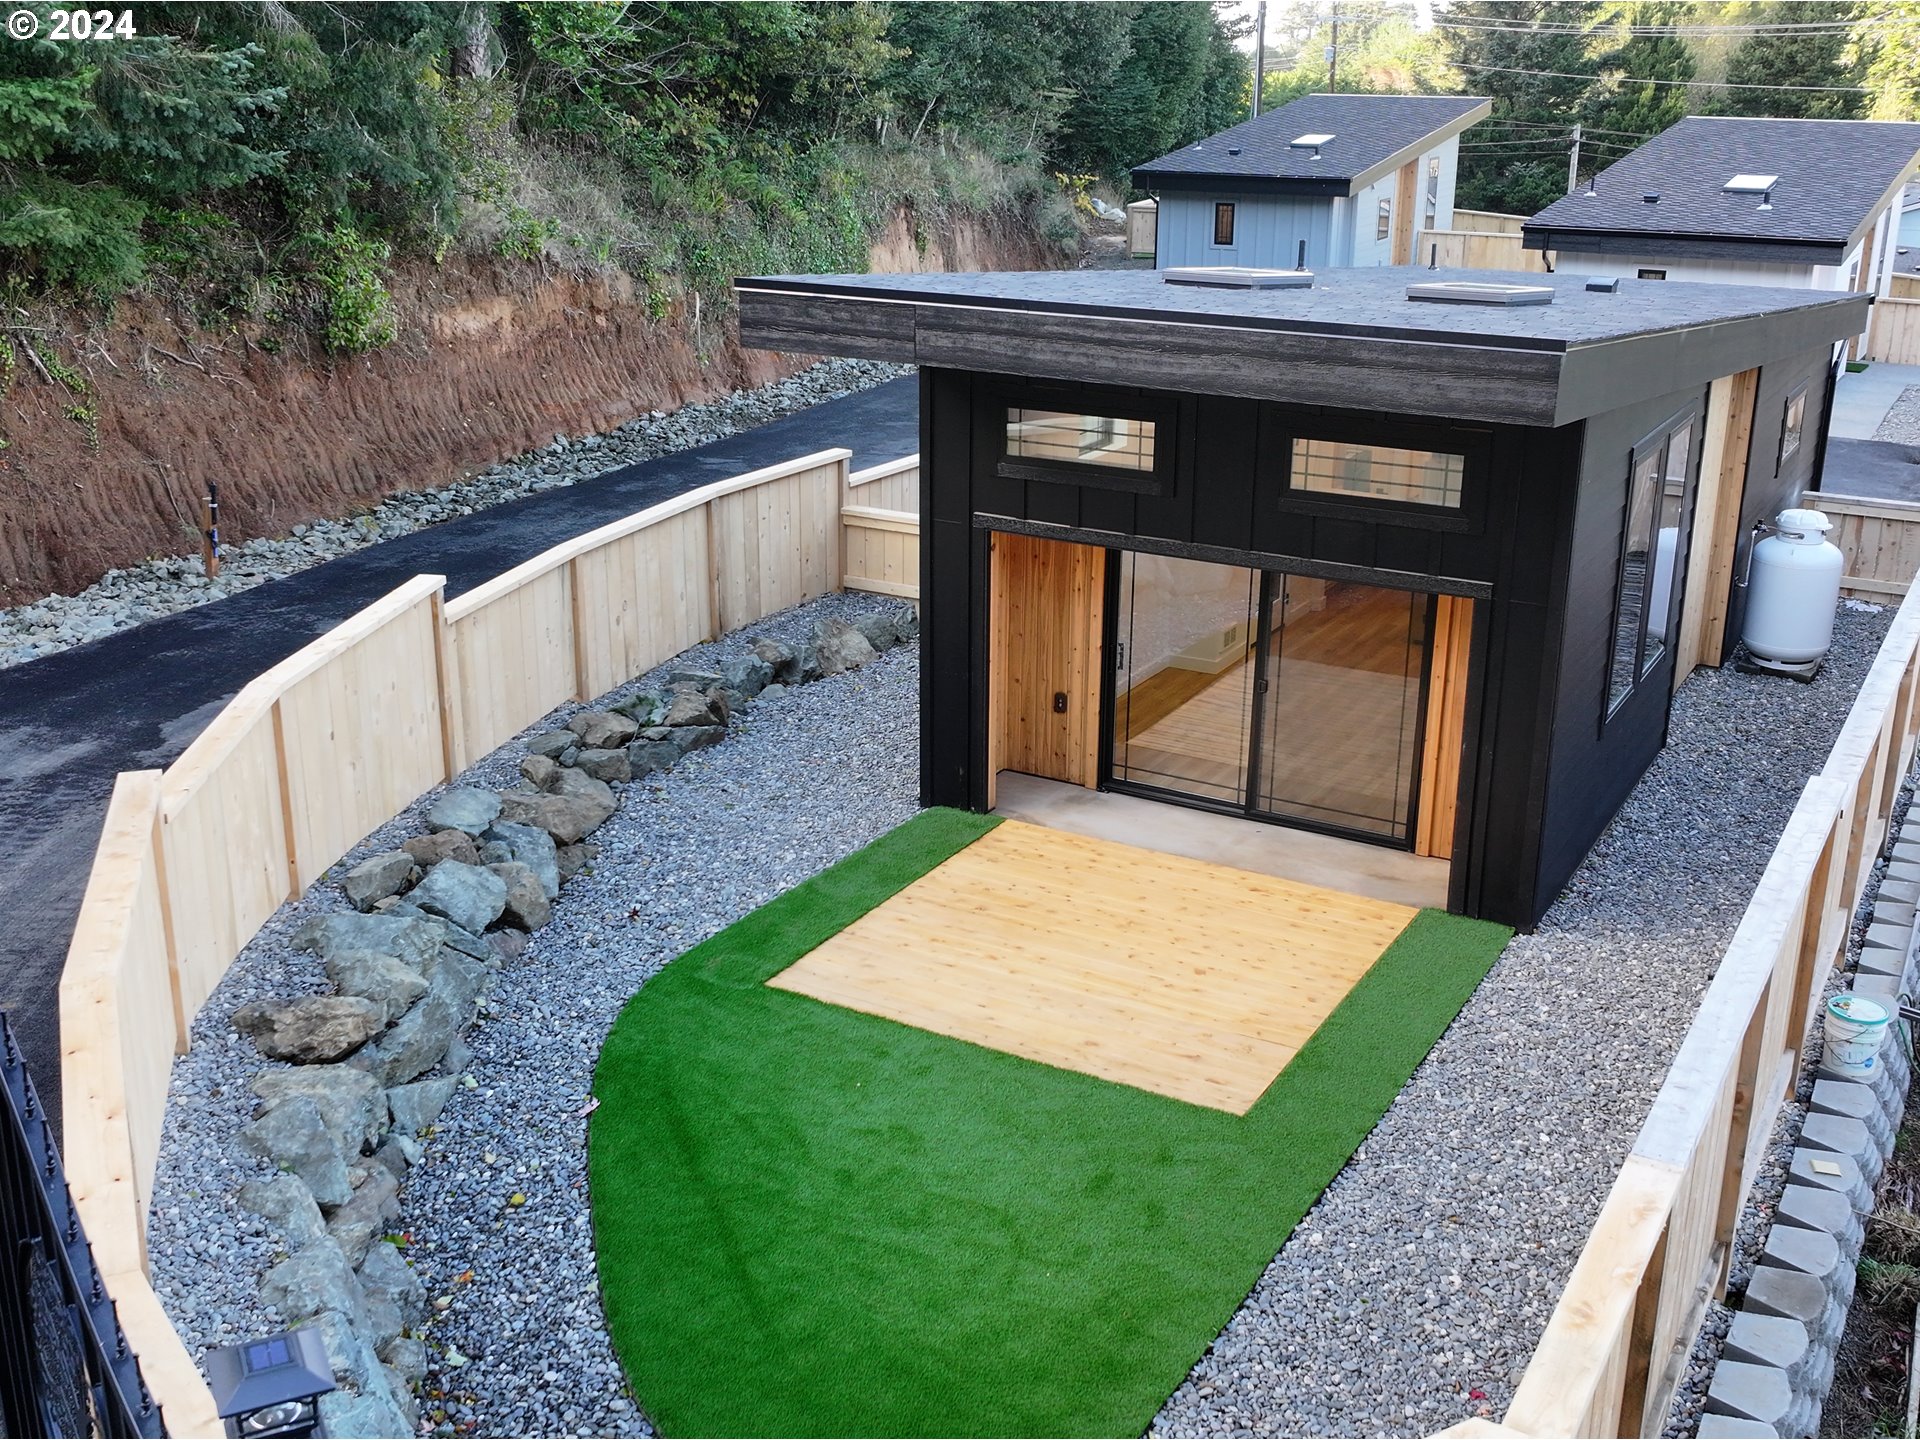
<point>165,585</point>
<point>1411,1295</point>
<point>521,1348</point>
<point>1901,423</point>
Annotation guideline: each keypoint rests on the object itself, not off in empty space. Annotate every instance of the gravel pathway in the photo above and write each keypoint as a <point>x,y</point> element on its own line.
<point>1412,1294</point>
<point>1409,1297</point>
<point>1901,424</point>
<point>520,1346</point>
<point>123,598</point>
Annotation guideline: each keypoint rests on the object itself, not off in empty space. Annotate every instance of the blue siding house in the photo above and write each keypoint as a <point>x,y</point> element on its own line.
<point>1354,178</point>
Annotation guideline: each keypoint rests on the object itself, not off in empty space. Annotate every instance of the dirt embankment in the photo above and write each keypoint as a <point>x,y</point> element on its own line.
<point>493,358</point>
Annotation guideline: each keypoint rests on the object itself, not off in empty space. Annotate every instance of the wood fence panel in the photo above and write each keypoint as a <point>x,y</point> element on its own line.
<point>514,656</point>
<point>360,727</point>
<point>883,552</point>
<point>1491,220</point>
<point>224,842</point>
<point>1477,250</point>
<point>1894,331</point>
<point>776,544</point>
<point>117,1029</point>
<point>641,599</point>
<point>1880,539</point>
<point>893,486</point>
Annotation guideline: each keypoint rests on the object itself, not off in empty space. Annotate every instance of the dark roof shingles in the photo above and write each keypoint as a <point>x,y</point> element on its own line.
<point>1366,130</point>
<point>1832,173</point>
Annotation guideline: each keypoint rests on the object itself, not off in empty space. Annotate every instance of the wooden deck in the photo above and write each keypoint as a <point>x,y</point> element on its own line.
<point>1172,975</point>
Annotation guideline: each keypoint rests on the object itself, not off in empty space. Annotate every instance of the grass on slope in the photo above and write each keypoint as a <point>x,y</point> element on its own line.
<point>816,1222</point>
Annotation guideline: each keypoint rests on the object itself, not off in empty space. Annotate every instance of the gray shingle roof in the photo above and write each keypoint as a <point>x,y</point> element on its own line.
<point>1834,174</point>
<point>1368,131</point>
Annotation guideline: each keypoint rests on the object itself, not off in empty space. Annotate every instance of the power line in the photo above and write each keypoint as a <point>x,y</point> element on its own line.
<point>1683,84</point>
<point>1602,29</point>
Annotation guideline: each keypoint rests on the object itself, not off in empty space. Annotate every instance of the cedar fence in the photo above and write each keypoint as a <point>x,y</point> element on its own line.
<point>1490,220</point>
<point>1477,250</point>
<point>335,740</point>
<point>1617,1343</point>
<point>1880,538</point>
<point>1893,331</point>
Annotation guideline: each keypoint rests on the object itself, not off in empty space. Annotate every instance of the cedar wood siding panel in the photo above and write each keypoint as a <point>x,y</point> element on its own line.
<point>1595,760</point>
<point>1770,487</point>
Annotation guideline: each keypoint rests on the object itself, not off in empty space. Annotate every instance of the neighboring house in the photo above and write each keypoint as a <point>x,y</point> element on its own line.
<point>1814,204</point>
<point>1353,177</point>
<point>1408,574</point>
<point>1906,256</point>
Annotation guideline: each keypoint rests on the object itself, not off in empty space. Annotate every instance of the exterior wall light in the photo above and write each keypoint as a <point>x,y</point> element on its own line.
<point>271,1387</point>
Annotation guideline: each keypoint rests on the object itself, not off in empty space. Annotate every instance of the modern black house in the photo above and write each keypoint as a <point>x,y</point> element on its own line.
<point>1411,557</point>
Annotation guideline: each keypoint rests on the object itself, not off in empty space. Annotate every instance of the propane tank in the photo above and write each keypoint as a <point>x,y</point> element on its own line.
<point>1793,588</point>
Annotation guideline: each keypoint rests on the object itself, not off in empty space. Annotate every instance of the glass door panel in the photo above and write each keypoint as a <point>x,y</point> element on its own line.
<point>1340,715</point>
<point>1183,681</point>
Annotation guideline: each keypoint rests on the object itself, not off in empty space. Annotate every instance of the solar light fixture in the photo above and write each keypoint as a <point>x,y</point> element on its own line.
<point>271,1387</point>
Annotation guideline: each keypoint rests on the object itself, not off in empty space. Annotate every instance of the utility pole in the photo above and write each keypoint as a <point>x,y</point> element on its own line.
<point>1333,59</point>
<point>1573,162</point>
<point>1259,53</point>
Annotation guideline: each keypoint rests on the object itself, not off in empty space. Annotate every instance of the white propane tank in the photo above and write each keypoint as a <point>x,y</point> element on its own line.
<point>1794,587</point>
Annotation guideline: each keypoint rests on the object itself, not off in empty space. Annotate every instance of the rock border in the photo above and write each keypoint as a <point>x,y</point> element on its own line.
<point>1777,1364</point>
<point>370,1067</point>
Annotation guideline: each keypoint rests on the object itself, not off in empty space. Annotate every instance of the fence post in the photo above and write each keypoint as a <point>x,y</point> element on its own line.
<point>446,672</point>
<point>843,472</point>
<point>714,629</point>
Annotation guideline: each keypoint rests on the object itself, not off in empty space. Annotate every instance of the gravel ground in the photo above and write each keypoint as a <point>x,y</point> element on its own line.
<point>521,1348</point>
<point>1409,1297</point>
<point>163,586</point>
<point>1412,1294</point>
<point>1902,423</point>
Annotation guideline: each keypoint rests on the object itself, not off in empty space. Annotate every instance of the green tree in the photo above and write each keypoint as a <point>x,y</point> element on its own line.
<point>1616,108</point>
<point>1534,61</point>
<point>1888,32</point>
<point>1796,58</point>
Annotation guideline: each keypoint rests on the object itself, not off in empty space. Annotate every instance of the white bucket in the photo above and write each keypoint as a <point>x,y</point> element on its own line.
<point>1856,1026</point>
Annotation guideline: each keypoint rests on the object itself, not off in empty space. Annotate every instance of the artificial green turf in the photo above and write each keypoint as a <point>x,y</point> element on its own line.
<point>816,1222</point>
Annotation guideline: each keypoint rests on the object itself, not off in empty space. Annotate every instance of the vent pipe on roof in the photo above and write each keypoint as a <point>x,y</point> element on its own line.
<point>1233,149</point>
<point>1652,197</point>
<point>1433,256</point>
<point>1301,262</point>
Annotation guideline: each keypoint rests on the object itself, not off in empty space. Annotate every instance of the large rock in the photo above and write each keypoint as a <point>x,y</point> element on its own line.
<point>533,848</point>
<point>689,738</point>
<point>648,757</point>
<point>316,1280</point>
<point>385,1273</point>
<point>367,1412</point>
<point>403,933</point>
<point>747,675</point>
<point>470,896</point>
<point>687,706</point>
<point>779,659</point>
<point>840,646</point>
<point>294,1136</point>
<point>608,765</point>
<point>572,859</point>
<point>419,1040</point>
<point>313,1030</point>
<point>391,984</point>
<point>407,1357</point>
<point>463,808</point>
<point>552,744</point>
<point>537,770</point>
<point>882,631</point>
<point>602,729</point>
<point>418,1105</point>
<point>285,1200</point>
<point>429,850</point>
<point>527,903</point>
<point>567,814</point>
<point>379,876</point>
<point>367,1215</point>
<point>352,1105</point>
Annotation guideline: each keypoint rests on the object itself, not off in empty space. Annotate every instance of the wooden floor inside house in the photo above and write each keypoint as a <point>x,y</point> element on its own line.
<point>1189,979</point>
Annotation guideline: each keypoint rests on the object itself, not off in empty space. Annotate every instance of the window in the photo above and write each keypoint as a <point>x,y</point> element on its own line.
<point>1376,472</point>
<point>1792,425</point>
<point>1383,227</point>
<point>1646,274</point>
<point>1433,191</point>
<point>1659,500</point>
<point>1223,223</point>
<point>1054,435</point>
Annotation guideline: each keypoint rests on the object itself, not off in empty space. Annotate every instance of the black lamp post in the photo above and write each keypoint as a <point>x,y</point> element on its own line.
<point>272,1386</point>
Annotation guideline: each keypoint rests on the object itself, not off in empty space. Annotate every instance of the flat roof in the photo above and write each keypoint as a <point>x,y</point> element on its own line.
<point>1363,137</point>
<point>1831,177</point>
<point>1354,339</point>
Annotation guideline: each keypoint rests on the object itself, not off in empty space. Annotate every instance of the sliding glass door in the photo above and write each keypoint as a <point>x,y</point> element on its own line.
<point>1274,695</point>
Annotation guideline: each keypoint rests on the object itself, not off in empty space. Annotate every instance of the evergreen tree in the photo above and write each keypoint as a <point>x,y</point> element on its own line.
<point>1538,79</point>
<point>1790,58</point>
<point>1619,110</point>
<point>1888,32</point>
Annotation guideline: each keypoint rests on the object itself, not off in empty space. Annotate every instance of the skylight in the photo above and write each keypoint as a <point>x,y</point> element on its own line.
<point>1480,292</point>
<point>1237,277</point>
<point>1750,184</point>
<point>1309,142</point>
